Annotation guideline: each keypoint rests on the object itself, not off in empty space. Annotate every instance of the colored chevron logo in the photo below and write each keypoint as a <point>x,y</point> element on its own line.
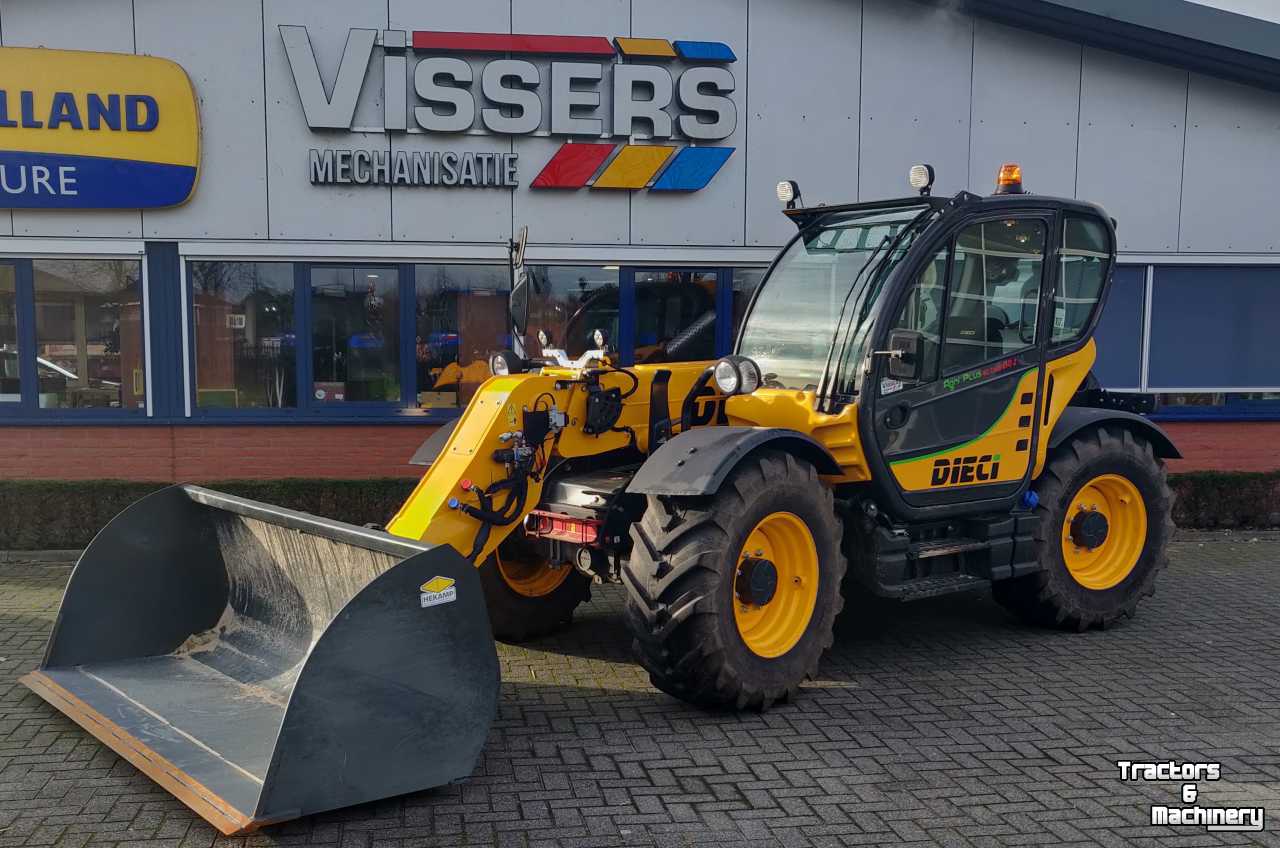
<point>572,45</point>
<point>632,167</point>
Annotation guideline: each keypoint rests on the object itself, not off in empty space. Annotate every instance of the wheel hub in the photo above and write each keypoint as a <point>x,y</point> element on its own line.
<point>1089,529</point>
<point>757,581</point>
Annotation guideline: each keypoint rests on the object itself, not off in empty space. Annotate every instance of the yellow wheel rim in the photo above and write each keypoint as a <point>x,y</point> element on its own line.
<point>532,578</point>
<point>1107,564</point>
<point>774,627</point>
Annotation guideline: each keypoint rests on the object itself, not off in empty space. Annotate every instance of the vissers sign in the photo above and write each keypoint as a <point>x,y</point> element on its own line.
<point>669,100</point>
<point>85,130</point>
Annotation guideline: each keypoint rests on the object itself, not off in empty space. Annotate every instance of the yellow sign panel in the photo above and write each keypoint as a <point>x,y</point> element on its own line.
<point>82,130</point>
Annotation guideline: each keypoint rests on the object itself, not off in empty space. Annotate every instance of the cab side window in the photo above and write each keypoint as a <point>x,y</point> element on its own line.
<point>922,312</point>
<point>1086,254</point>
<point>994,301</point>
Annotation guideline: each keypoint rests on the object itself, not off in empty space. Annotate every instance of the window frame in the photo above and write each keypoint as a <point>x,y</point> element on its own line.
<point>27,409</point>
<point>406,409</point>
<point>900,302</point>
<point>307,404</point>
<point>309,409</point>
<point>1090,325</point>
<point>629,316</point>
<point>1048,221</point>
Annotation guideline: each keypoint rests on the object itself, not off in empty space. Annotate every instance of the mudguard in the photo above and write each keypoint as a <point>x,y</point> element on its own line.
<point>697,462</point>
<point>1076,418</point>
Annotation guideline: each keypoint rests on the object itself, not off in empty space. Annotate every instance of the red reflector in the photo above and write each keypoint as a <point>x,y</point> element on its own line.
<point>562,528</point>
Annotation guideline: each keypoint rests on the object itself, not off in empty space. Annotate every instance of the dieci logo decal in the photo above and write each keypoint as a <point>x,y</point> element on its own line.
<point>966,469</point>
<point>674,94</point>
<point>95,131</point>
<point>438,590</point>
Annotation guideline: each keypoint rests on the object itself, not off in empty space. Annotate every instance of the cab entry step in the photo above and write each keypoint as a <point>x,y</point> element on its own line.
<point>932,587</point>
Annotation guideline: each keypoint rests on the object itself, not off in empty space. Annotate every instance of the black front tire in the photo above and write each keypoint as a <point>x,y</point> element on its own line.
<point>516,617</point>
<point>680,591</point>
<point>1052,596</point>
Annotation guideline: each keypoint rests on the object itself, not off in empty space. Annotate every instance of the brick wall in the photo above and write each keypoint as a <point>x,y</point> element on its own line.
<point>206,453</point>
<point>1225,445</point>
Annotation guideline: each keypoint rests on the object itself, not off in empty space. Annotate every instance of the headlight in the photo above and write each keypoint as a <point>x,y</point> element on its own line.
<point>751,377</point>
<point>728,378</point>
<point>544,339</point>
<point>504,363</point>
<point>736,375</point>
<point>600,339</point>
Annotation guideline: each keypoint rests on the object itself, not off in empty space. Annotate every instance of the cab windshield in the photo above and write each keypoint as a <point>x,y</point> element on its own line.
<point>837,267</point>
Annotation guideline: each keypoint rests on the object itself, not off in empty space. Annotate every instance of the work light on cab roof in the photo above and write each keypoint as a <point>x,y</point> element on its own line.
<point>921,178</point>
<point>789,193</point>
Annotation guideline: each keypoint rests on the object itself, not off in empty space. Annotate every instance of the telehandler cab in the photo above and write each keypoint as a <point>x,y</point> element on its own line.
<point>909,411</point>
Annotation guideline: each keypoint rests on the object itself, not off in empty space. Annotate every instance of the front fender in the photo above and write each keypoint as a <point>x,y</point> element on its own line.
<point>1076,418</point>
<point>697,462</point>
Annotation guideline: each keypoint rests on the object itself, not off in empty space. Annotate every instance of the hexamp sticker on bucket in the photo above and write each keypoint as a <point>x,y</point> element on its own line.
<point>438,590</point>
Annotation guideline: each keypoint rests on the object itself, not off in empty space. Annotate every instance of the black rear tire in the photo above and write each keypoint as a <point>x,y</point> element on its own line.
<point>517,617</point>
<point>1052,596</point>
<point>680,585</point>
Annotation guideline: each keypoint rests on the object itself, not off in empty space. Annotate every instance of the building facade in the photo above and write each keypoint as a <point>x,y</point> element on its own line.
<point>283,250</point>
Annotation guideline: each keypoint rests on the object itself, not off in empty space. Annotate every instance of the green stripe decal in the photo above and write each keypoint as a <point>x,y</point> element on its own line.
<point>977,438</point>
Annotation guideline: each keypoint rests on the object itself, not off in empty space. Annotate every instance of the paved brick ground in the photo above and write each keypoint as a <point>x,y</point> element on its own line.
<point>939,722</point>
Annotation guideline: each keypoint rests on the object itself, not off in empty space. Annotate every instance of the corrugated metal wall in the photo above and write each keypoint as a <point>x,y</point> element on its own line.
<point>840,94</point>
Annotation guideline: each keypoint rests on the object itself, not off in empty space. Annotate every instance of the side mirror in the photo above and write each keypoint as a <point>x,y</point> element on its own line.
<point>905,361</point>
<point>518,300</point>
<point>518,305</point>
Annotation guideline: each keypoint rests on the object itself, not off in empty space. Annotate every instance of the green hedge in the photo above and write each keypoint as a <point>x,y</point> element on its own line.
<point>53,514</point>
<point>56,514</point>
<point>1212,499</point>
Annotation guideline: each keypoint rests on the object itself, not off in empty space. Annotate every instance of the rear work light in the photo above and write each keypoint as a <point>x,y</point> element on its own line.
<point>562,528</point>
<point>1009,180</point>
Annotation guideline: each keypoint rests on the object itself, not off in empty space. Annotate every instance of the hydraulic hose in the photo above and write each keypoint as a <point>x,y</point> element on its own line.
<point>508,513</point>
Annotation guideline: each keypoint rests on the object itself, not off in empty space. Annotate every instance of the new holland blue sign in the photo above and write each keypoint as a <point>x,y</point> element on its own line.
<point>95,131</point>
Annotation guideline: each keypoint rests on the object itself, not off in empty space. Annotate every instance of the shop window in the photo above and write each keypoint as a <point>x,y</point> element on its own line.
<point>1086,251</point>
<point>1213,328</point>
<point>571,302</point>
<point>745,283</point>
<point>355,338</point>
<point>1218,405</point>
<point>995,292</point>
<point>1119,332</point>
<point>10,373</point>
<point>675,315</point>
<point>245,343</point>
<point>88,329</point>
<point>460,319</point>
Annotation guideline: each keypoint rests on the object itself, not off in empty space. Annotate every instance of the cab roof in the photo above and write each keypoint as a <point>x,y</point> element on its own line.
<point>804,217</point>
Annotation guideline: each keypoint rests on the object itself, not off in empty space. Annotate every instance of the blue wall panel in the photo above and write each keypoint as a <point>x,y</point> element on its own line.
<point>1119,334</point>
<point>1215,328</point>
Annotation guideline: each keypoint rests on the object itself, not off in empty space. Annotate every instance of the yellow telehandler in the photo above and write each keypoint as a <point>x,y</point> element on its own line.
<point>909,411</point>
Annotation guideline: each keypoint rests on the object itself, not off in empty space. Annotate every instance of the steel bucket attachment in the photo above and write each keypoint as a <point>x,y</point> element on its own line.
<point>263,664</point>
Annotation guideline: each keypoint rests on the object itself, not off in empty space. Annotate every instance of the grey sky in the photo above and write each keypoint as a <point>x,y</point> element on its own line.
<point>1267,10</point>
